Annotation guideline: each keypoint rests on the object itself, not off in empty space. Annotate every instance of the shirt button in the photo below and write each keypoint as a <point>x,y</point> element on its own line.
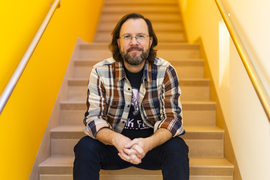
<point>129,89</point>
<point>128,106</point>
<point>123,122</point>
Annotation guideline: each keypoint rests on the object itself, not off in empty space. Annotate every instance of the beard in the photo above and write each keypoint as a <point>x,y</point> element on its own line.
<point>133,59</point>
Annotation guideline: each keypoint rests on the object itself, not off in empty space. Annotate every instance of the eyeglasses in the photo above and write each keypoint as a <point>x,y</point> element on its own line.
<point>139,37</point>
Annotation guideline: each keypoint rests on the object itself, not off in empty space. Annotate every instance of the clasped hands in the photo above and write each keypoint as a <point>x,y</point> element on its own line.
<point>133,151</point>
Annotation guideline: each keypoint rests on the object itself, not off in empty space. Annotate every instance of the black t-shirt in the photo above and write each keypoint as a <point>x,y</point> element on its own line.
<point>135,127</point>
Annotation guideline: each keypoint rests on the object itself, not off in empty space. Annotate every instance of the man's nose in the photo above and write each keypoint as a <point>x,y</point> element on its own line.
<point>133,40</point>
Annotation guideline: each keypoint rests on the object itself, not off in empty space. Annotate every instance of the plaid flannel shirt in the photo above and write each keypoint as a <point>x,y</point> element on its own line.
<point>110,93</point>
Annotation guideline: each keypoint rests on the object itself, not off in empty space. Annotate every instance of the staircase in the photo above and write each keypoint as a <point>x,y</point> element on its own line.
<point>205,139</point>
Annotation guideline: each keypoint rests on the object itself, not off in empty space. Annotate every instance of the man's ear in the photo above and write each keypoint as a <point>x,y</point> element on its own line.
<point>151,41</point>
<point>118,43</point>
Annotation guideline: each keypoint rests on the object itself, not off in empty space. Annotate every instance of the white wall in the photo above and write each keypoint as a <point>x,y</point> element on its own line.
<point>246,121</point>
<point>252,19</point>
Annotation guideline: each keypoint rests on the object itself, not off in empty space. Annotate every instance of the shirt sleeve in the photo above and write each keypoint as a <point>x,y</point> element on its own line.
<point>95,116</point>
<point>171,108</point>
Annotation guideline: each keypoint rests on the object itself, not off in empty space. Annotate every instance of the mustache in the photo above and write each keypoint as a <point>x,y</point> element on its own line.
<point>134,48</point>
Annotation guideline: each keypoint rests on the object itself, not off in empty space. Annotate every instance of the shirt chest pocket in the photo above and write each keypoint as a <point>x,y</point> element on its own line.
<point>152,109</point>
<point>116,108</point>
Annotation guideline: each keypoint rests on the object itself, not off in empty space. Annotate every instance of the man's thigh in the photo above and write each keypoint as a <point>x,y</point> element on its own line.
<point>97,154</point>
<point>170,153</point>
<point>110,159</point>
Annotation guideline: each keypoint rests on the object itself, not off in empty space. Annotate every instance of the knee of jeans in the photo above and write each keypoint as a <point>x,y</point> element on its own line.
<point>177,144</point>
<point>85,145</point>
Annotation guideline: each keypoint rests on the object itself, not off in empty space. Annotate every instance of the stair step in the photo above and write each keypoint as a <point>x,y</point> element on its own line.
<point>202,141</point>
<point>157,26</point>
<point>192,89</point>
<point>200,167</point>
<point>187,105</point>
<point>126,8</point>
<point>175,51</point>
<point>192,132</point>
<point>141,2</point>
<point>185,68</point>
<point>154,17</point>
<point>195,113</point>
<point>160,46</point>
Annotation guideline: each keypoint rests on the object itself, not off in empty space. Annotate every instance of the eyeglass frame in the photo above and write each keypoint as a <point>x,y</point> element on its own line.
<point>131,37</point>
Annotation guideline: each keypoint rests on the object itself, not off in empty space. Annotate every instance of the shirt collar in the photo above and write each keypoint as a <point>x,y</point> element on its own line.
<point>120,72</point>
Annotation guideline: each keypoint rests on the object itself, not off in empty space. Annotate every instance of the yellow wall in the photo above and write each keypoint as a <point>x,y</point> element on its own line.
<point>27,112</point>
<point>245,119</point>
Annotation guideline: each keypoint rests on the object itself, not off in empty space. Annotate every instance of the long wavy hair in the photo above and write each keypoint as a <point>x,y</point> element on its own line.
<point>116,34</point>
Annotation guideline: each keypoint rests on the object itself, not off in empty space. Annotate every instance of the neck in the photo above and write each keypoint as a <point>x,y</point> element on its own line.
<point>133,68</point>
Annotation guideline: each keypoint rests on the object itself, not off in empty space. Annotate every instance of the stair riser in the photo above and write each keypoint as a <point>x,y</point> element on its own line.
<point>162,46</point>
<point>157,26</point>
<point>204,148</point>
<point>140,9</point>
<point>190,118</point>
<point>153,17</point>
<point>189,93</point>
<point>188,71</point>
<point>140,2</point>
<point>167,55</point>
<point>199,118</point>
<point>194,171</point>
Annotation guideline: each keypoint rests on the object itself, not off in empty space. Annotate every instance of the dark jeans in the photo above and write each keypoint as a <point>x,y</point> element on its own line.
<point>92,155</point>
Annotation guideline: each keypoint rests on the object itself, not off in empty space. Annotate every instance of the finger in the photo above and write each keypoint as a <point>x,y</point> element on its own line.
<point>130,151</point>
<point>131,143</point>
<point>124,156</point>
<point>138,149</point>
<point>135,159</point>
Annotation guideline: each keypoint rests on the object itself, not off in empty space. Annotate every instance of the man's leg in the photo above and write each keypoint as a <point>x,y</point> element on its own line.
<point>171,157</point>
<point>91,156</point>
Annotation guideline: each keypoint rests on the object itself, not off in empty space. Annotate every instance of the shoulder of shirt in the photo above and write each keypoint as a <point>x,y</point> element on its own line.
<point>105,62</point>
<point>161,62</point>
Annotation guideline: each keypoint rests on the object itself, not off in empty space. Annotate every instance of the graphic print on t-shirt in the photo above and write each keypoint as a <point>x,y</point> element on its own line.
<point>135,101</point>
<point>134,121</point>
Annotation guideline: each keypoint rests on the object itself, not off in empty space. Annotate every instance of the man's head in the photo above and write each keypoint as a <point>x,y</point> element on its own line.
<point>133,40</point>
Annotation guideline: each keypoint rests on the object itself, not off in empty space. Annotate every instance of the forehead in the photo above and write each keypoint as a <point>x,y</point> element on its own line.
<point>134,26</point>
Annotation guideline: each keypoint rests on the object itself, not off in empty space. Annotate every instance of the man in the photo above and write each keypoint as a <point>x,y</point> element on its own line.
<point>134,115</point>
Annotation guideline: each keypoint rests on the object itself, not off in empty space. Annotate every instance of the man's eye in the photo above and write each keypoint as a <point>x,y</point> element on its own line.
<point>127,37</point>
<point>140,36</point>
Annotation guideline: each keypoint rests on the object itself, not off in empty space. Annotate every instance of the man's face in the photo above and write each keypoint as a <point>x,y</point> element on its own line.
<point>134,51</point>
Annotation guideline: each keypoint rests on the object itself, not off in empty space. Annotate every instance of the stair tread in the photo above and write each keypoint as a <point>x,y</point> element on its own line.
<point>78,128</point>
<point>187,105</point>
<point>182,82</point>
<point>56,161</point>
<point>192,132</point>
<point>182,102</point>
<point>180,62</point>
<point>160,44</point>
<point>141,2</point>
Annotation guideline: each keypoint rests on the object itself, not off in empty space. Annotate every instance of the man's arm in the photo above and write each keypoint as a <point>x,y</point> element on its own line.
<point>110,137</point>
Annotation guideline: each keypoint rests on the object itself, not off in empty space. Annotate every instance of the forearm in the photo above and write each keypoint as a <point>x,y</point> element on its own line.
<point>110,137</point>
<point>106,136</point>
<point>161,136</point>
